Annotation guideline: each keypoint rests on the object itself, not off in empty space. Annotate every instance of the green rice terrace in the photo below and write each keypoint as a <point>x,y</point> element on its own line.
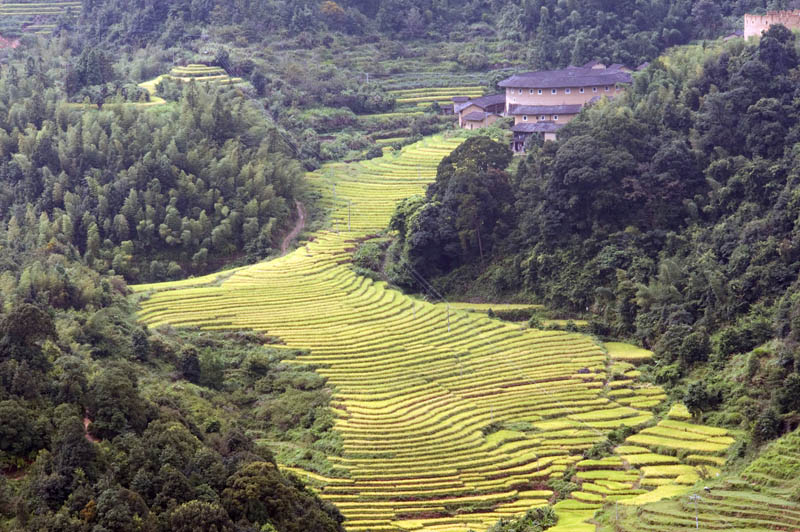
<point>33,16</point>
<point>202,74</point>
<point>763,497</point>
<point>193,72</point>
<point>415,99</point>
<point>450,420</point>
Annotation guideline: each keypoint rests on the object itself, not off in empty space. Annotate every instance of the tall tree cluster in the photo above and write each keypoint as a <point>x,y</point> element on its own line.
<point>89,451</point>
<point>465,215</point>
<point>146,194</point>
<point>555,32</point>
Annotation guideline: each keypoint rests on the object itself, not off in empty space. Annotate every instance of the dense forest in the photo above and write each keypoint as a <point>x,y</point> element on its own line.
<point>146,194</point>
<point>99,431</point>
<point>554,29</point>
<point>669,215</point>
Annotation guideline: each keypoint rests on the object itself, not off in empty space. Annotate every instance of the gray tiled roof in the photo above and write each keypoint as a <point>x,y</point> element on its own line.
<point>567,77</point>
<point>537,127</point>
<point>482,102</point>
<point>475,116</point>
<point>546,109</point>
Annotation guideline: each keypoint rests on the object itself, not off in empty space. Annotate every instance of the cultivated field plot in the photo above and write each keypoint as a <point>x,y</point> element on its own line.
<point>762,499</point>
<point>413,99</point>
<point>367,192</point>
<point>36,17</point>
<point>198,73</point>
<point>202,74</point>
<point>450,420</point>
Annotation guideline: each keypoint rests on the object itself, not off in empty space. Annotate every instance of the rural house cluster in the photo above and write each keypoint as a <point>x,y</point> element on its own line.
<point>545,101</point>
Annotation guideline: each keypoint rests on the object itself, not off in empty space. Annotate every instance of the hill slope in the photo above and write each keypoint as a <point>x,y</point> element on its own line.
<point>449,420</point>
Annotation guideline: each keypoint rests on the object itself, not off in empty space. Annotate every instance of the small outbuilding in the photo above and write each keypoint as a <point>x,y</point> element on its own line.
<point>491,107</point>
<point>523,131</point>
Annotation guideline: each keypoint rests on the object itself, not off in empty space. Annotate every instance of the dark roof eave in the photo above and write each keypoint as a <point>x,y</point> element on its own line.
<point>567,109</point>
<point>537,127</point>
<point>568,77</point>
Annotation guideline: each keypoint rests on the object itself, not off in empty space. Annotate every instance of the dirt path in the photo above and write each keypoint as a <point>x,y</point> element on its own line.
<point>89,437</point>
<point>299,226</point>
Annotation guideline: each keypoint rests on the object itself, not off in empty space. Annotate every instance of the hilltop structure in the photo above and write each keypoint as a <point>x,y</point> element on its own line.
<point>755,25</point>
<point>543,101</point>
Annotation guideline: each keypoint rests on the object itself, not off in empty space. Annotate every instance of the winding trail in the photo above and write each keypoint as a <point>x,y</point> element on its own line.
<point>298,226</point>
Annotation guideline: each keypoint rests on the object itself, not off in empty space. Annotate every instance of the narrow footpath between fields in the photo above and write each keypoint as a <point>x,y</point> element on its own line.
<point>299,226</point>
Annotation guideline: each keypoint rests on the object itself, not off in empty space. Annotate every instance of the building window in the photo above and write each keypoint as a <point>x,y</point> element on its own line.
<point>594,89</point>
<point>554,91</point>
<point>540,91</point>
<point>525,118</point>
<point>606,88</point>
<point>520,90</point>
<point>555,117</point>
<point>542,117</point>
<point>581,90</point>
<point>531,91</point>
<point>568,91</point>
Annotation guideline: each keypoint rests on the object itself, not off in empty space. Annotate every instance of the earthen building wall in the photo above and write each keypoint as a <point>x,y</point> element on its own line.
<point>754,25</point>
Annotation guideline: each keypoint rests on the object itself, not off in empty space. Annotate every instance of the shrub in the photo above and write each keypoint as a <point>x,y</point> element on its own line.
<point>753,365</point>
<point>534,520</point>
<point>747,334</point>
<point>788,396</point>
<point>699,397</point>
<point>369,256</point>
<point>521,314</point>
<point>768,426</point>
<point>563,486</point>
<point>374,152</point>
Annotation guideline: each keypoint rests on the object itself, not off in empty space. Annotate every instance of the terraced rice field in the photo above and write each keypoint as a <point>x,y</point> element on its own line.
<point>367,192</point>
<point>199,73</point>
<point>36,17</point>
<point>450,420</point>
<point>202,74</point>
<point>763,498</point>
<point>423,98</point>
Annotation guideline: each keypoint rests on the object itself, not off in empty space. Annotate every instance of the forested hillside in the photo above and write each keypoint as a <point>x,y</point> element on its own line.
<point>555,32</point>
<point>146,194</point>
<point>94,435</point>
<point>105,425</point>
<point>347,105</point>
<point>668,215</point>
